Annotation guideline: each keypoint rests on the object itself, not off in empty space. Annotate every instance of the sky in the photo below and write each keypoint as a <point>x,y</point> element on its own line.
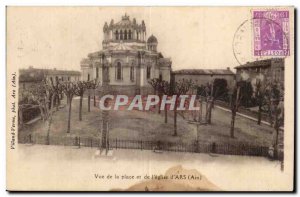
<point>193,37</point>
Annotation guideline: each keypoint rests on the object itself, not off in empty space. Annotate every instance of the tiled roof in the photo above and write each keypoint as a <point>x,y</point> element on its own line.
<point>204,72</point>
<point>260,63</point>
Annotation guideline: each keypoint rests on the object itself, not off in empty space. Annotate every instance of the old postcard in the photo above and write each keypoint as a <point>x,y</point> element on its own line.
<point>150,98</point>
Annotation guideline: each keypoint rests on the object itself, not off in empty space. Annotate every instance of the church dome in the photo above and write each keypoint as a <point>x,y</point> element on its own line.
<point>125,22</point>
<point>152,39</point>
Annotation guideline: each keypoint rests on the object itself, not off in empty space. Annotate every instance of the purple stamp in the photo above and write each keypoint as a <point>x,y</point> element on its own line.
<point>271,33</point>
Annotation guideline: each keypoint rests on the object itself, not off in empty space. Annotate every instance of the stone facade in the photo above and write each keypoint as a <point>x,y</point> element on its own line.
<point>127,61</point>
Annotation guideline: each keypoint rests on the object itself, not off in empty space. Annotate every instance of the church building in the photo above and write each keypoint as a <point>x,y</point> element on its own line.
<point>128,59</point>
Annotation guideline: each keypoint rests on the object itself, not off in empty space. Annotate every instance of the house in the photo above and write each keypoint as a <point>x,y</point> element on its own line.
<point>269,70</point>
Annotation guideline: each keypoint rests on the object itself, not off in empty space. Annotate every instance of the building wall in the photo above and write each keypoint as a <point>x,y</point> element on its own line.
<point>204,79</point>
<point>85,72</point>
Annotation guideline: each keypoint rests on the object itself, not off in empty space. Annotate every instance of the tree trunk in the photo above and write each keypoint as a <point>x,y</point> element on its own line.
<point>69,118</point>
<point>209,112</point>
<point>159,104</point>
<point>234,109</point>
<point>232,124</point>
<point>52,101</point>
<point>276,127</point>
<point>42,113</point>
<point>206,112</point>
<point>200,111</point>
<point>105,131</point>
<point>49,129</point>
<point>89,103</point>
<point>57,102</point>
<point>50,104</point>
<point>94,101</point>
<point>259,114</point>
<point>166,115</point>
<point>270,114</point>
<point>175,118</point>
<point>80,107</point>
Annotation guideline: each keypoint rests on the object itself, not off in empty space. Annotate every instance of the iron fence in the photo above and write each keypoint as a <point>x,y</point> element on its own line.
<point>193,147</point>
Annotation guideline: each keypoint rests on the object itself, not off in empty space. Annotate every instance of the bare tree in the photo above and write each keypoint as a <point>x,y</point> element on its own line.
<point>260,96</point>
<point>178,88</point>
<point>69,88</point>
<point>212,92</point>
<point>276,98</point>
<point>240,91</point>
<point>79,91</point>
<point>156,83</point>
<point>39,93</point>
<point>55,92</point>
<point>91,85</point>
<point>161,87</point>
<point>235,103</point>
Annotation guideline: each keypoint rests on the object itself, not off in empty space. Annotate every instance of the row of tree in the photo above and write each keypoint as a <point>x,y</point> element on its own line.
<point>266,95</point>
<point>47,96</point>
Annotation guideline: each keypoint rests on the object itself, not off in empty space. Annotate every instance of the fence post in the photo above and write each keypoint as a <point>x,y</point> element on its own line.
<point>78,142</point>
<point>141,145</point>
<point>91,142</point>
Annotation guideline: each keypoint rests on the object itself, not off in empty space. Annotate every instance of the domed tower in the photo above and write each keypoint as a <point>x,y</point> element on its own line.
<point>152,43</point>
<point>126,31</point>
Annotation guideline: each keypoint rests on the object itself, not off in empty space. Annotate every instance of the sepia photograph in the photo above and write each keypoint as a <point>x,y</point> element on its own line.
<point>150,99</point>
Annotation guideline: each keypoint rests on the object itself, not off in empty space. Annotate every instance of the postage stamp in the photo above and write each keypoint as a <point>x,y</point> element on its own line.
<point>271,33</point>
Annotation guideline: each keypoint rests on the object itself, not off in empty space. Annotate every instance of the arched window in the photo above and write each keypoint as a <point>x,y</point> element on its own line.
<point>97,72</point>
<point>148,72</point>
<point>132,73</point>
<point>119,71</point>
<point>88,77</point>
<point>121,35</point>
<point>117,35</point>
<point>129,35</point>
<point>137,35</point>
<point>125,35</point>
